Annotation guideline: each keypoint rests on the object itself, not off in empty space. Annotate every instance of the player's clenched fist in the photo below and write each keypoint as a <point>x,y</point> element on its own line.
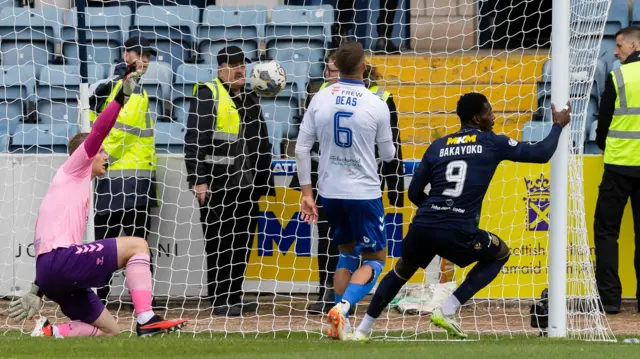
<point>131,79</point>
<point>26,306</point>
<point>563,117</point>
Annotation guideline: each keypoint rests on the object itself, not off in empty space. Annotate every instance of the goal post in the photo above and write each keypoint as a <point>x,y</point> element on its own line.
<point>542,211</point>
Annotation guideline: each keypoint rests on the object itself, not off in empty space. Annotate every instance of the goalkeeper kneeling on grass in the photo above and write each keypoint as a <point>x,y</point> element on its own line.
<point>67,269</point>
<point>459,168</point>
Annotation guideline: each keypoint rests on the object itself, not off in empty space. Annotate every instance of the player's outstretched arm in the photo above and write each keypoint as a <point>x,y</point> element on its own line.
<point>542,151</point>
<point>306,139</point>
<point>108,117</point>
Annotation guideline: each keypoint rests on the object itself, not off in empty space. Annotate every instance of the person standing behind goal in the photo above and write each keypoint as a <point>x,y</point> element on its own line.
<point>349,121</point>
<point>124,197</point>
<point>228,160</point>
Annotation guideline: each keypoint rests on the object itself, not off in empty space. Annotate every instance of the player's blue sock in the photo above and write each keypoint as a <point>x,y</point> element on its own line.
<point>479,277</point>
<point>350,261</point>
<point>389,287</point>
<point>356,291</point>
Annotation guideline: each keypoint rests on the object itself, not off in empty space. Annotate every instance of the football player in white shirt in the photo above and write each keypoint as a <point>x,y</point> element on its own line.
<point>348,121</point>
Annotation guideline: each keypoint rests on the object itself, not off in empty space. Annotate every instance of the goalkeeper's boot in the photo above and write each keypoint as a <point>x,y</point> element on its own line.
<point>157,325</point>
<point>338,323</point>
<point>43,328</point>
<point>448,323</point>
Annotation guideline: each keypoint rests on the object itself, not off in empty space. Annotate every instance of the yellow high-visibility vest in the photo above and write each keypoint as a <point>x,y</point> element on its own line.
<point>623,139</point>
<point>130,144</point>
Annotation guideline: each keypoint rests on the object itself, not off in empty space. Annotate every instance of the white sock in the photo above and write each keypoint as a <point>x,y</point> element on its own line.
<point>145,317</point>
<point>366,325</point>
<point>345,307</point>
<point>347,326</point>
<point>55,331</point>
<point>451,305</point>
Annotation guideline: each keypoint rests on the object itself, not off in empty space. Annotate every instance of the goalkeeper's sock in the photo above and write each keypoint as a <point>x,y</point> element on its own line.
<point>366,325</point>
<point>387,290</point>
<point>479,277</point>
<point>451,305</point>
<point>76,329</point>
<point>356,291</point>
<point>140,286</point>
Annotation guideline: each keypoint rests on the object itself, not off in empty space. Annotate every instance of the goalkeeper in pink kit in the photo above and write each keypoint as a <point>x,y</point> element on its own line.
<point>66,270</point>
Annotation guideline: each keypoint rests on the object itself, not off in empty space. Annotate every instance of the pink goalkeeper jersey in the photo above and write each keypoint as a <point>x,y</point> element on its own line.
<point>64,211</point>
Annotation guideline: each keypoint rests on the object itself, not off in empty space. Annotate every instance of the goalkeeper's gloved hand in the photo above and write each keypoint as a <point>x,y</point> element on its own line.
<point>26,306</point>
<point>129,83</point>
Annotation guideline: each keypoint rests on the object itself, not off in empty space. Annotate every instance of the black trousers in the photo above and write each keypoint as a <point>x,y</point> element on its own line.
<point>229,222</point>
<point>615,190</point>
<point>133,222</point>
<point>346,17</point>
<point>328,254</point>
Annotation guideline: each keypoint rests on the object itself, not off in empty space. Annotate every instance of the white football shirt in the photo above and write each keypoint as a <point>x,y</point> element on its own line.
<point>348,120</point>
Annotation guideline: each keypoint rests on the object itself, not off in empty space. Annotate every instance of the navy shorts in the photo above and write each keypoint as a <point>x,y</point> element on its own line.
<point>422,244</point>
<point>66,276</point>
<point>359,221</point>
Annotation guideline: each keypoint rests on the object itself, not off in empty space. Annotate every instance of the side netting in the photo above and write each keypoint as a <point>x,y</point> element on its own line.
<point>459,46</point>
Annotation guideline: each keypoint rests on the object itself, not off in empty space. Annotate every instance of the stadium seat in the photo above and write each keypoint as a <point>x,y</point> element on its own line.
<point>280,112</point>
<point>108,30</point>
<point>535,131</point>
<point>590,147</point>
<point>170,29</point>
<point>157,82</point>
<point>9,3</point>
<point>169,137</point>
<point>635,14</point>
<point>618,17</point>
<point>297,73</point>
<point>58,91</point>
<point>42,138</point>
<point>17,86</point>
<point>28,36</point>
<point>231,25</point>
<point>300,33</point>
<point>186,77</point>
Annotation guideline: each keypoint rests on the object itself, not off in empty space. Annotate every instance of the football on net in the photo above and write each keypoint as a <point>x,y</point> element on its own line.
<point>267,78</point>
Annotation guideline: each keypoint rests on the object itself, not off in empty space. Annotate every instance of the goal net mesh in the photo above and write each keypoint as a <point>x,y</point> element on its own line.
<point>447,48</point>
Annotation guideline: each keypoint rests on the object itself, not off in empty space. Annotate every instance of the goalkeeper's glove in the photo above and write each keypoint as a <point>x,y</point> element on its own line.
<point>129,83</point>
<point>26,306</point>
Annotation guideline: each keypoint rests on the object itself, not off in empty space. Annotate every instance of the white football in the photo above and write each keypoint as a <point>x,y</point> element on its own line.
<point>268,78</point>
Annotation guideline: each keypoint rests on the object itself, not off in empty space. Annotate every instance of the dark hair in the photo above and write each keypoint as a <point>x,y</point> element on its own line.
<point>631,30</point>
<point>349,56</point>
<point>470,105</point>
<point>76,141</point>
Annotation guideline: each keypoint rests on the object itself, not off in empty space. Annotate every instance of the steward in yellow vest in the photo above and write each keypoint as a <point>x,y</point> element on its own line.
<point>618,135</point>
<point>227,155</point>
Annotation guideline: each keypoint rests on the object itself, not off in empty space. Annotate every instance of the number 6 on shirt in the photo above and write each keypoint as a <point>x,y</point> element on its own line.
<point>342,135</point>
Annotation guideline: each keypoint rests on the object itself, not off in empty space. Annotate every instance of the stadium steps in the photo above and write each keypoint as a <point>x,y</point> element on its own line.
<point>419,130</point>
<point>427,88</point>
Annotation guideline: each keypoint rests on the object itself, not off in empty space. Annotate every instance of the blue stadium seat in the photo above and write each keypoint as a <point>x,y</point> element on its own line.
<point>28,36</point>
<point>169,137</point>
<point>42,138</point>
<point>186,77</point>
<point>231,25</point>
<point>58,91</point>
<point>618,17</point>
<point>9,3</point>
<point>157,82</point>
<point>279,112</point>
<point>535,131</point>
<point>17,87</point>
<point>635,14</point>
<point>108,30</point>
<point>300,33</point>
<point>590,147</point>
<point>170,29</point>
<point>297,73</point>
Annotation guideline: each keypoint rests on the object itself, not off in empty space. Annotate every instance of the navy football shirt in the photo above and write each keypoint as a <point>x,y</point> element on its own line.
<point>460,167</point>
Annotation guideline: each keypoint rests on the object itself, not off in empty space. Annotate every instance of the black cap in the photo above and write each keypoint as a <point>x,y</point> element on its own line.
<point>231,55</point>
<point>140,45</point>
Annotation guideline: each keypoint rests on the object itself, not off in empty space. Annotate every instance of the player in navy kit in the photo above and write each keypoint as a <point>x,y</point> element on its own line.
<point>459,168</point>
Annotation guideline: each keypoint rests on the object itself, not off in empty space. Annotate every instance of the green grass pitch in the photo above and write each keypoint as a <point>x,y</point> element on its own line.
<point>297,346</point>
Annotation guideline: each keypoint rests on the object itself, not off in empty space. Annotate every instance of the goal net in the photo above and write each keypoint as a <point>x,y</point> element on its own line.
<point>428,54</point>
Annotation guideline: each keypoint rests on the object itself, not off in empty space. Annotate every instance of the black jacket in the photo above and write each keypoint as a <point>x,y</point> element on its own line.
<point>198,143</point>
<point>119,193</point>
<point>391,173</point>
<point>605,116</point>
